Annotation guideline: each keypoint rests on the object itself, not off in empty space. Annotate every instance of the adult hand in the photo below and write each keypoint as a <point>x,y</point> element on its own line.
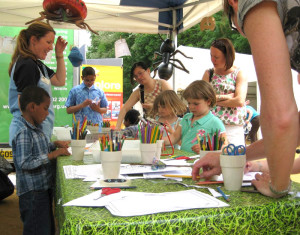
<point>261,183</point>
<point>60,46</point>
<point>147,106</point>
<point>210,164</point>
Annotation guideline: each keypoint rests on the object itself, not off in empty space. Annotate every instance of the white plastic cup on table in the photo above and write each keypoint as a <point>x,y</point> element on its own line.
<point>78,147</point>
<point>233,171</point>
<point>93,129</point>
<point>111,162</point>
<point>148,153</point>
<point>159,144</point>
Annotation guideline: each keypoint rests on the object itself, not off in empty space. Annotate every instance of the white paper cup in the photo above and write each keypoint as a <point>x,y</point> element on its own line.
<point>78,147</point>
<point>159,144</point>
<point>148,153</point>
<point>111,162</point>
<point>93,129</point>
<point>233,171</point>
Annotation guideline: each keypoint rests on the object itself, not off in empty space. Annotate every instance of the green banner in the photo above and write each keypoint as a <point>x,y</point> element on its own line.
<point>59,94</point>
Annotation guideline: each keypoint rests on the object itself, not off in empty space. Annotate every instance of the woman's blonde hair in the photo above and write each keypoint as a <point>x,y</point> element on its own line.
<point>200,89</point>
<point>168,99</point>
<point>37,29</point>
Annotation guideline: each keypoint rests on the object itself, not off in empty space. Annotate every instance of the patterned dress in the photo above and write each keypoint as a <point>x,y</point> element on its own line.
<point>224,85</point>
<point>150,97</point>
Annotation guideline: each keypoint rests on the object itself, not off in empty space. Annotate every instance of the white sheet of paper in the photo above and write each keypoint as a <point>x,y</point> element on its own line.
<point>83,171</point>
<point>128,203</point>
<point>140,169</point>
<point>175,162</point>
<point>162,202</point>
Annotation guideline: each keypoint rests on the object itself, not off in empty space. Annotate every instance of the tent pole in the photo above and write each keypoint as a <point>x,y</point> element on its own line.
<point>174,38</point>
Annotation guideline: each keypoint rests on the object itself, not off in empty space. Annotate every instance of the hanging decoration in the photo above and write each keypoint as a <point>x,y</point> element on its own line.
<point>121,48</point>
<point>69,11</point>
<point>166,64</point>
<point>208,23</point>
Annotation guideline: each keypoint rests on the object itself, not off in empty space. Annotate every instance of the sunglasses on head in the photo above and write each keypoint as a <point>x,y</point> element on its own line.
<point>230,14</point>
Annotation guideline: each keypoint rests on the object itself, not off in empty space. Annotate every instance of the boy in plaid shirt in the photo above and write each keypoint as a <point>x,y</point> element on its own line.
<point>32,159</point>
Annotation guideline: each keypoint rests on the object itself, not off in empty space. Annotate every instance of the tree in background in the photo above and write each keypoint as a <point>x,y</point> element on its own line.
<point>143,46</point>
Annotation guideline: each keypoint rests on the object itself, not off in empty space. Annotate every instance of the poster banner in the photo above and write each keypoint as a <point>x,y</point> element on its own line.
<point>110,80</point>
<point>59,94</point>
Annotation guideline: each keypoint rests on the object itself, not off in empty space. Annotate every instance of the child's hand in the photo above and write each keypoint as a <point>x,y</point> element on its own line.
<point>94,107</point>
<point>62,144</point>
<point>87,102</point>
<point>58,152</point>
<point>63,152</point>
<point>196,148</point>
<point>169,127</point>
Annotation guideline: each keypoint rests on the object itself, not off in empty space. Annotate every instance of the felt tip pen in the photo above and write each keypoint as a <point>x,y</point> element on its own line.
<point>223,194</point>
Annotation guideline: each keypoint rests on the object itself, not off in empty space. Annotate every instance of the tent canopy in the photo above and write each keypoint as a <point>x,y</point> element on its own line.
<point>134,16</point>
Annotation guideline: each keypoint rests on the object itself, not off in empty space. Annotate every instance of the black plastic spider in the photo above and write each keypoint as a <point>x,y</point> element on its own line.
<point>165,66</point>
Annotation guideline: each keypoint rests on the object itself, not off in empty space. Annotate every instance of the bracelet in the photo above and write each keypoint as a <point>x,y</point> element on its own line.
<point>219,97</point>
<point>280,193</point>
<point>59,56</point>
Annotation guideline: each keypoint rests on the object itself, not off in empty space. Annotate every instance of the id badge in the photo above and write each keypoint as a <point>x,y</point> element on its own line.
<point>45,80</point>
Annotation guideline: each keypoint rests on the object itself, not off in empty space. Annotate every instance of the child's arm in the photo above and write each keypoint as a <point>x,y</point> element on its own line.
<point>61,143</point>
<point>101,106</point>
<point>175,137</point>
<point>98,109</point>
<point>76,108</point>
<point>250,114</point>
<point>58,152</point>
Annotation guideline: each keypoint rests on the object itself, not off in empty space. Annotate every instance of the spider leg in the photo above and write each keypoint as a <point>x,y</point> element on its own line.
<point>156,63</point>
<point>155,71</point>
<point>181,68</point>
<point>156,54</point>
<point>177,51</point>
<point>42,17</point>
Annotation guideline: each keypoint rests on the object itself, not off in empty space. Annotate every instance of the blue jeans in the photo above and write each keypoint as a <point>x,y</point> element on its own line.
<point>36,212</point>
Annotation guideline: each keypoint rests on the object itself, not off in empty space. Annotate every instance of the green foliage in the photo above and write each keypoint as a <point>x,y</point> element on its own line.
<point>143,46</point>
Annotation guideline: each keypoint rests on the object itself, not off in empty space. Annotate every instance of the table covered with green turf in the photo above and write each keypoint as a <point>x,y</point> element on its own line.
<point>248,213</point>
